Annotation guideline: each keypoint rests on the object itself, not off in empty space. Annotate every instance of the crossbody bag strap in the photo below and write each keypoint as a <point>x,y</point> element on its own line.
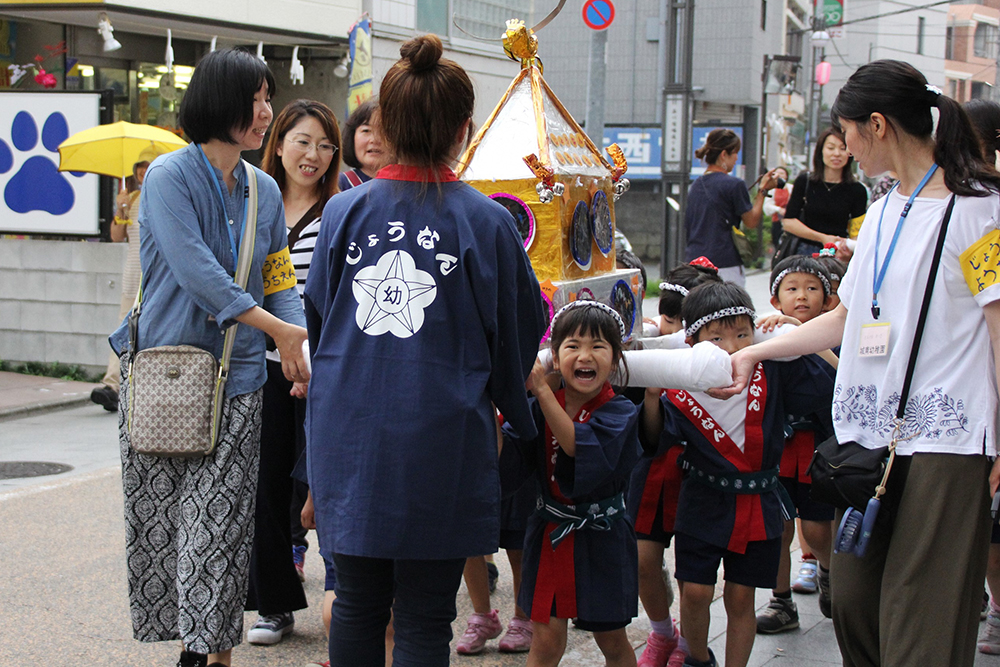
<point>245,258</point>
<point>924,307</point>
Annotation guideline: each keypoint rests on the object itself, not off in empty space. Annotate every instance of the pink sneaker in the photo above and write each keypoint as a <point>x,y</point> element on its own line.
<point>677,658</point>
<point>481,628</point>
<point>518,637</point>
<point>658,650</point>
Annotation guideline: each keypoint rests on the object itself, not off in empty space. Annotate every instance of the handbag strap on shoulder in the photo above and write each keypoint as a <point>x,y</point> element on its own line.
<point>924,307</point>
<point>243,264</point>
<point>245,257</point>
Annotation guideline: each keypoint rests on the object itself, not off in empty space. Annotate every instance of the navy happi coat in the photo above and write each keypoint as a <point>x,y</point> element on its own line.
<point>727,520</point>
<point>423,314</point>
<point>592,574</point>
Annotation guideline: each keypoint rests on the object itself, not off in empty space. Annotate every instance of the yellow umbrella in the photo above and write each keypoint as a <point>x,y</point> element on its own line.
<point>113,149</point>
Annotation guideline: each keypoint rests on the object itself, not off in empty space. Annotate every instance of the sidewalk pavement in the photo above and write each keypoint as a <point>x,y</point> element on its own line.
<point>23,394</point>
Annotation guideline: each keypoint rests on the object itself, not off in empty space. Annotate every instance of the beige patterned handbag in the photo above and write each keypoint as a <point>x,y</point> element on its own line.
<point>176,392</point>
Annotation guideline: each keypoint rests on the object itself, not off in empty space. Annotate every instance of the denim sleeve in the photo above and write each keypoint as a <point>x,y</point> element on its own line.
<point>171,218</point>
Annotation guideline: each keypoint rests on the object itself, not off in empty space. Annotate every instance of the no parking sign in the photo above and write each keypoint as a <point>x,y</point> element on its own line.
<point>598,14</point>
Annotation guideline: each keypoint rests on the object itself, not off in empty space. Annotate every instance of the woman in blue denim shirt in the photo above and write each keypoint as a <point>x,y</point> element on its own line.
<point>189,522</point>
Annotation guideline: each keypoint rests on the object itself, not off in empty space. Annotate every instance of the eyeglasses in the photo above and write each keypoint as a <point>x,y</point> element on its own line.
<point>303,146</point>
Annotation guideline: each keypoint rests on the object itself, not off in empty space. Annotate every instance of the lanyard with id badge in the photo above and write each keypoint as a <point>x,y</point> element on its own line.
<point>874,338</point>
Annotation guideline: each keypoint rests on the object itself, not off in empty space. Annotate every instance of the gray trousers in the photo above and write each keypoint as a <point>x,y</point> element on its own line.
<point>915,597</point>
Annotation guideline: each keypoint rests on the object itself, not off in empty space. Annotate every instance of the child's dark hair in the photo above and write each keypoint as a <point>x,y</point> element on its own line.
<point>799,264</point>
<point>898,91</point>
<point>590,320</point>
<point>834,266</point>
<point>687,276</point>
<point>713,297</point>
<point>629,260</point>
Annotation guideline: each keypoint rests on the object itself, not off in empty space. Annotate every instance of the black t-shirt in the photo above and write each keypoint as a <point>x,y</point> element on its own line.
<point>716,203</point>
<point>829,207</point>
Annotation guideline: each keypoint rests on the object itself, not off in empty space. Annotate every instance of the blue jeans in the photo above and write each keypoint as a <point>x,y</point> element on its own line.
<point>420,594</point>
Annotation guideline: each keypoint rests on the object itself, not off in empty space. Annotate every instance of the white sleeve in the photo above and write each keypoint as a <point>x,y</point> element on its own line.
<point>674,341</point>
<point>699,368</point>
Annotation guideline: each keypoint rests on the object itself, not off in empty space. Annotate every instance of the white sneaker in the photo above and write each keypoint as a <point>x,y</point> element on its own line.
<point>271,629</point>
<point>989,640</point>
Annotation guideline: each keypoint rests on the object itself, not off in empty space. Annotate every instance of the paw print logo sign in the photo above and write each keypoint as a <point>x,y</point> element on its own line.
<point>35,197</point>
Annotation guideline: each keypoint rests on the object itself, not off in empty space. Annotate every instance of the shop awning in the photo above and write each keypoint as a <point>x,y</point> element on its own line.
<point>336,17</point>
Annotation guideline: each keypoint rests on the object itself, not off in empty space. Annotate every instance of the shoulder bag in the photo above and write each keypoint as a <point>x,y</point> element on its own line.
<point>848,475</point>
<point>788,244</point>
<point>176,392</point>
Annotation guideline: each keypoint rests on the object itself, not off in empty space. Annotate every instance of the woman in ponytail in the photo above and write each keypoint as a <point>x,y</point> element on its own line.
<point>915,596</point>
<point>424,320</point>
<point>718,203</point>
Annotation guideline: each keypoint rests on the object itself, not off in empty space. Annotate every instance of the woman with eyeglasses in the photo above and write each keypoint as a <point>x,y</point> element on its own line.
<point>301,156</point>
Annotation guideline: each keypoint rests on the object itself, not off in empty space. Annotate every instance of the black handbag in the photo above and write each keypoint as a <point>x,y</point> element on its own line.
<point>848,475</point>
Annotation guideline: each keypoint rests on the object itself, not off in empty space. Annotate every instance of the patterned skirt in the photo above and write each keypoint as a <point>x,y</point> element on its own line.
<point>189,527</point>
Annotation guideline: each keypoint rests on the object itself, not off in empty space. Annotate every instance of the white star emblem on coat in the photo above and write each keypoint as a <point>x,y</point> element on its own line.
<point>392,295</point>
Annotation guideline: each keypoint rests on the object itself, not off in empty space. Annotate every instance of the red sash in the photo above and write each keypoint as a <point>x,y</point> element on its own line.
<point>662,481</point>
<point>748,525</point>
<point>555,581</point>
<point>797,455</point>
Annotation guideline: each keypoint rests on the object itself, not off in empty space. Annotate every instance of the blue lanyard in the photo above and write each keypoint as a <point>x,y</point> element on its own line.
<point>225,215</point>
<point>879,276</point>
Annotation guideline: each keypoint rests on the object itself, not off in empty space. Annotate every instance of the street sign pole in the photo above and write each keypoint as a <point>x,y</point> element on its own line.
<point>598,15</point>
<point>677,121</point>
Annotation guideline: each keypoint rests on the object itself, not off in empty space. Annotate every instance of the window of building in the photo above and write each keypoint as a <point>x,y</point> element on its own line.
<point>485,17</point>
<point>920,34</point>
<point>949,43</point>
<point>985,41</point>
<point>980,91</point>
<point>432,16</point>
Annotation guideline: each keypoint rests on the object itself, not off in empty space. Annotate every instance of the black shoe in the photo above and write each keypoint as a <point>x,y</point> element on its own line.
<point>494,574</point>
<point>825,603</point>
<point>106,397</point>
<point>190,658</point>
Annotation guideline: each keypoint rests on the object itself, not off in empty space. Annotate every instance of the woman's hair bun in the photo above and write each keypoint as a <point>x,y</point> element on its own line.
<point>422,52</point>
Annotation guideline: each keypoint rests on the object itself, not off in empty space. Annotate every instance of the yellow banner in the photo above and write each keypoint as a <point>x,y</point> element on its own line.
<point>279,274</point>
<point>981,262</point>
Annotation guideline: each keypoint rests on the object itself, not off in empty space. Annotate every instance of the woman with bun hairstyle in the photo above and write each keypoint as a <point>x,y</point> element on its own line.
<point>915,596</point>
<point>717,203</point>
<point>424,320</point>
<point>827,203</point>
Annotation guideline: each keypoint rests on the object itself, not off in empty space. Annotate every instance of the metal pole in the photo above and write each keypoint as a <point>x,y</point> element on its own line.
<point>677,121</point>
<point>595,87</point>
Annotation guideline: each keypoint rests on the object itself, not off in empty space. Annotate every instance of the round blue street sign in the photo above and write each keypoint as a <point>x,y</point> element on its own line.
<point>598,14</point>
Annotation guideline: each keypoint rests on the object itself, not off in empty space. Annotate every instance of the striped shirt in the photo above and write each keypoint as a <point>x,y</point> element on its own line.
<point>301,253</point>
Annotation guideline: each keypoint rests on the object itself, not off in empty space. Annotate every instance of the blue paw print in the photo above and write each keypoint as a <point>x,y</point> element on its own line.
<point>37,185</point>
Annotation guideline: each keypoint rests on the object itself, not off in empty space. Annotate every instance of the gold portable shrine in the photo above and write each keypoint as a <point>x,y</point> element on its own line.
<point>532,157</point>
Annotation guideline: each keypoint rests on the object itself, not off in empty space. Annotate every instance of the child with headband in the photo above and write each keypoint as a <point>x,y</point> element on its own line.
<point>801,291</point>
<point>579,552</point>
<point>654,488</point>
<point>731,505</point>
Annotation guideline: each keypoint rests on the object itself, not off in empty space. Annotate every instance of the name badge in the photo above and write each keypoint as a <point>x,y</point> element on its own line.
<point>874,340</point>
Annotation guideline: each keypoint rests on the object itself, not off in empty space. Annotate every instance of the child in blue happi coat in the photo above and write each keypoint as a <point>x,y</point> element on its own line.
<point>580,551</point>
<point>731,507</point>
<point>801,290</point>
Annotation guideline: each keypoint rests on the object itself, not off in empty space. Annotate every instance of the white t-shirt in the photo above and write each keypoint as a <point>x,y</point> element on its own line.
<point>952,406</point>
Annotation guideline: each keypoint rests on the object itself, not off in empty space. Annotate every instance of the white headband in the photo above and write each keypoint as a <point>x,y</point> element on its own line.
<point>596,304</point>
<point>776,283</point>
<point>671,287</point>
<point>690,331</point>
